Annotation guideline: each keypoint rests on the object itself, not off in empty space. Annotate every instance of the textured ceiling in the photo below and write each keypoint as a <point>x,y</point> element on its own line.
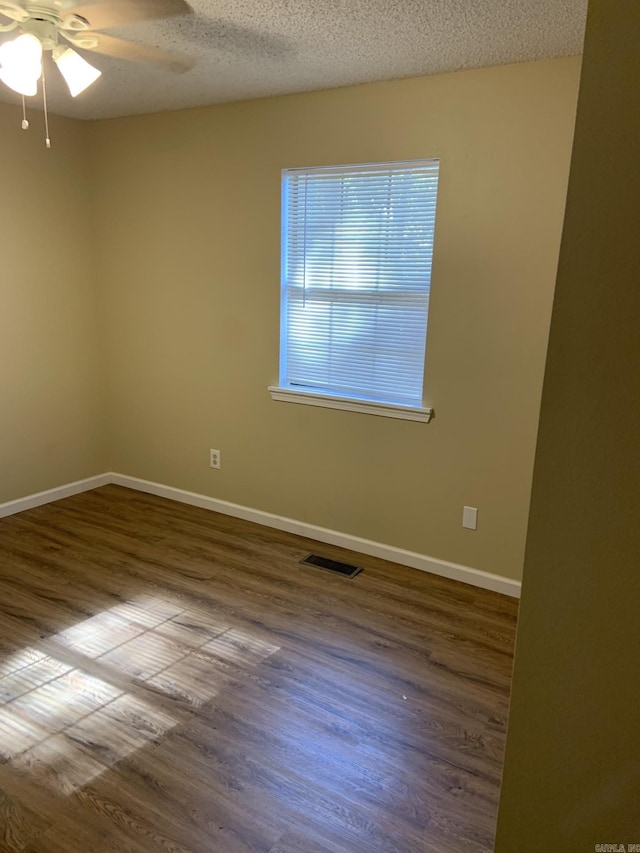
<point>256,48</point>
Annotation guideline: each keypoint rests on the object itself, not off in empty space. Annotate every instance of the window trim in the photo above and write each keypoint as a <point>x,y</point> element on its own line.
<point>351,404</point>
<point>413,410</point>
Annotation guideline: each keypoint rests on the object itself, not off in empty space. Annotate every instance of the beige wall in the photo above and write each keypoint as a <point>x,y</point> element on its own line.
<point>51,390</point>
<point>572,774</point>
<point>189,207</point>
<point>160,236</point>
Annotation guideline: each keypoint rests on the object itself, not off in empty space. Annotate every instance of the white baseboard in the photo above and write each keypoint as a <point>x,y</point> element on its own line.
<point>50,495</point>
<point>454,571</point>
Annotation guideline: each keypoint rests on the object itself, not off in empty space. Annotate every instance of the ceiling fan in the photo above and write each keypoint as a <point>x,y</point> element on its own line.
<point>60,25</point>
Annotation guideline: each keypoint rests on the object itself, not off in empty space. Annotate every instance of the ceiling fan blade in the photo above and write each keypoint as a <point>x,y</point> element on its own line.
<point>121,49</point>
<point>102,14</point>
<point>13,11</point>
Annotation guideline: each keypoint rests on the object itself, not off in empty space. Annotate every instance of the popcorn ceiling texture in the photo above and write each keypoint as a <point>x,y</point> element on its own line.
<point>257,48</point>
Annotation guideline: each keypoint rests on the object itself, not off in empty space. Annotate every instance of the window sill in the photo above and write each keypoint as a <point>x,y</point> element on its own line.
<point>368,407</point>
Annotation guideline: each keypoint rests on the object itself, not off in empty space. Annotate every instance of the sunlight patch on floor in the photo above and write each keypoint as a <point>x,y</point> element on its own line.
<point>66,724</point>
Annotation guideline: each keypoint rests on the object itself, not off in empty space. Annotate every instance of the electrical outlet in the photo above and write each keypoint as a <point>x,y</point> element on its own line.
<point>214,458</point>
<point>470,517</point>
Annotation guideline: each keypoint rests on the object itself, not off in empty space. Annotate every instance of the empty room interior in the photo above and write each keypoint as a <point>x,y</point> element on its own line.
<point>359,285</point>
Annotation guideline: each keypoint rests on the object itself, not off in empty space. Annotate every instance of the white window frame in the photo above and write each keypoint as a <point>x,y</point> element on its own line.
<point>361,401</point>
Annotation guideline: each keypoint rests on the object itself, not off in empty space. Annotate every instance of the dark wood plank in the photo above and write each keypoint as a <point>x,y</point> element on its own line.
<point>293,842</point>
<point>173,679</point>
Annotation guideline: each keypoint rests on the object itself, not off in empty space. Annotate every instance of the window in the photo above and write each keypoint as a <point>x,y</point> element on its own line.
<point>357,246</point>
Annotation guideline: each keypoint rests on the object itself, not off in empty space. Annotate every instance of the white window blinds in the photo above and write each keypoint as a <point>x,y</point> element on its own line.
<point>357,247</point>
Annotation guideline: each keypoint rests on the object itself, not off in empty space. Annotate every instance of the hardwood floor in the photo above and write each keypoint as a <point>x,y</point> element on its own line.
<point>174,680</point>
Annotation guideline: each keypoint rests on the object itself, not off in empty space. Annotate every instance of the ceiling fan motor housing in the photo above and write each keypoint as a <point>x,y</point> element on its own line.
<point>44,29</point>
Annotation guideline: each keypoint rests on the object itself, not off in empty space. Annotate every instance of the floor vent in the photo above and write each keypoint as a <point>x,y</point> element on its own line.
<point>336,566</point>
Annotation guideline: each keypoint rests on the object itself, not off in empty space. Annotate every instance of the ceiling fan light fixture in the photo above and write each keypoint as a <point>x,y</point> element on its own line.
<point>77,72</point>
<point>22,85</point>
<point>21,64</point>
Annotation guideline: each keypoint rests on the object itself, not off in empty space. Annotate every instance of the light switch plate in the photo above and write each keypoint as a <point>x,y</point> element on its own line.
<point>470,517</point>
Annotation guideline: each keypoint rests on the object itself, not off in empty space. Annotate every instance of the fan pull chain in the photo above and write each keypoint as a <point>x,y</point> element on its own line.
<point>47,141</point>
<point>25,123</point>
